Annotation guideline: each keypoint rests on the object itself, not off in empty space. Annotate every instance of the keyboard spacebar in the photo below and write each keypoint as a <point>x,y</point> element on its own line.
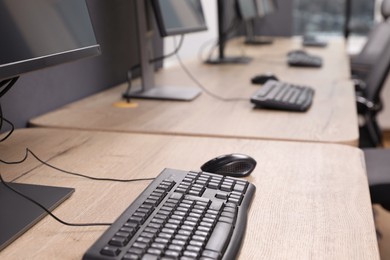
<point>220,237</point>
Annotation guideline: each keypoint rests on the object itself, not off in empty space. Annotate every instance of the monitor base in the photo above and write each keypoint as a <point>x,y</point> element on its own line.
<point>165,93</point>
<point>229,60</point>
<point>259,41</point>
<point>18,214</point>
<point>317,43</point>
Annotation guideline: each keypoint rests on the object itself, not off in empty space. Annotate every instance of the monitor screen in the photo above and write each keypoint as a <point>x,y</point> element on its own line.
<point>36,34</point>
<point>246,9</point>
<point>179,16</point>
<point>42,33</point>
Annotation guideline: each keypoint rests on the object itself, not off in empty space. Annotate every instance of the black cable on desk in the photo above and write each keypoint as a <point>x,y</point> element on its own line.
<point>157,59</point>
<point>28,151</point>
<point>3,119</point>
<point>201,86</point>
<point>6,85</point>
<point>48,211</point>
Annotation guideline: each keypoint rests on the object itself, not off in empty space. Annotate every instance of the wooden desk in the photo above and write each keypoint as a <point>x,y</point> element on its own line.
<point>309,203</point>
<point>331,119</point>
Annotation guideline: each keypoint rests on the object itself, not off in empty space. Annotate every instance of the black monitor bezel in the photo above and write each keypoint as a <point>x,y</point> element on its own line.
<point>164,32</point>
<point>14,69</point>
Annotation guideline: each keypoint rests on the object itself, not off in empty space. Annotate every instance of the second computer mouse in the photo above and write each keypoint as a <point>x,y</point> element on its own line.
<point>263,78</point>
<point>235,165</point>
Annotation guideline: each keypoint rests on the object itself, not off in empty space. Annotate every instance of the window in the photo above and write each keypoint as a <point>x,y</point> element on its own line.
<point>328,16</point>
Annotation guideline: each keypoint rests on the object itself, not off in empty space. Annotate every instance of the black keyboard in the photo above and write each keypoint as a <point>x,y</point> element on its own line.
<point>314,43</point>
<point>180,215</point>
<point>311,40</point>
<point>299,59</point>
<point>283,96</point>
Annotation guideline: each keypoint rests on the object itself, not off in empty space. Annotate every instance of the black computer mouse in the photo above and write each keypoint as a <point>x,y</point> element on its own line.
<point>263,78</point>
<point>235,165</point>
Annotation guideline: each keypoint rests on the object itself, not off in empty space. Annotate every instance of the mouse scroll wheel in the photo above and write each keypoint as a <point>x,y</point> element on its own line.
<point>234,168</point>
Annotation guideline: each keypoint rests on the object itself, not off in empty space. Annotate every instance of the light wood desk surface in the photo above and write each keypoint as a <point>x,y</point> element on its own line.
<point>309,203</point>
<point>331,119</point>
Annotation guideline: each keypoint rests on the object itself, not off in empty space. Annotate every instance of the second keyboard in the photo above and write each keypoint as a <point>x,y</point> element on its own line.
<point>283,96</point>
<point>304,60</point>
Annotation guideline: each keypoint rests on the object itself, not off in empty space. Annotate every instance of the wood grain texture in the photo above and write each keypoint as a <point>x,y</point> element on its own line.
<point>331,119</point>
<point>311,202</point>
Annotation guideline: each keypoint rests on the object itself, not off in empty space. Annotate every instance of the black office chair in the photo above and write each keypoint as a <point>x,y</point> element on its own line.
<point>369,102</point>
<point>378,174</point>
<point>377,40</point>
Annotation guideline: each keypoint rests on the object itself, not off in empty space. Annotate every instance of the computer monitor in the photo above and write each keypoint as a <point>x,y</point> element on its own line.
<point>263,8</point>
<point>245,10</point>
<point>176,17</point>
<point>35,35</point>
<point>173,17</point>
<point>41,33</point>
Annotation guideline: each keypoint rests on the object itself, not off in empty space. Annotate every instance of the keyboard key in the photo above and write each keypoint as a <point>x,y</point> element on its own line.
<point>131,257</point>
<point>191,254</point>
<point>172,253</point>
<point>211,254</point>
<point>118,241</point>
<point>153,254</point>
<point>110,251</point>
<point>219,238</point>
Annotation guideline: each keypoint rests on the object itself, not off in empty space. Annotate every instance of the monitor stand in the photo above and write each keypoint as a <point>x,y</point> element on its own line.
<point>252,39</point>
<point>222,40</point>
<point>18,214</point>
<point>258,40</point>
<point>148,89</point>
<point>229,60</point>
<point>165,93</point>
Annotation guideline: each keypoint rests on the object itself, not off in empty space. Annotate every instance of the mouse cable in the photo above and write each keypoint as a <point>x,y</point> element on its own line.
<point>48,211</point>
<point>203,47</point>
<point>157,59</point>
<point>3,119</point>
<point>10,132</point>
<point>201,86</point>
<point>174,52</point>
<point>28,151</point>
<point>273,60</point>
<point>7,84</point>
